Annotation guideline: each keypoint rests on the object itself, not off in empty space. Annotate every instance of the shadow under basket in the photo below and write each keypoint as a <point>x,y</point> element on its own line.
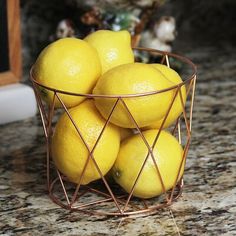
<point>105,197</point>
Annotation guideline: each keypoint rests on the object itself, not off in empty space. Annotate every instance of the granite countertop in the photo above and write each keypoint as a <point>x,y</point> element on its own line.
<point>208,203</point>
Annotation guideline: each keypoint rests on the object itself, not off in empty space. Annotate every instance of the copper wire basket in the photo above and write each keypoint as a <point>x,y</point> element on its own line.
<point>103,197</point>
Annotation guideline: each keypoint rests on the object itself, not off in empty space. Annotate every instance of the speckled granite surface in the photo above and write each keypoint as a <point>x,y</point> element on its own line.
<point>208,204</point>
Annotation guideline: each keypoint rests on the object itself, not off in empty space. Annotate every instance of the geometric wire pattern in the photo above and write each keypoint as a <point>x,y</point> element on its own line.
<point>103,197</point>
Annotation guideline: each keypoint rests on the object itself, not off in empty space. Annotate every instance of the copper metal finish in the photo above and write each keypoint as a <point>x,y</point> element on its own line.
<point>108,198</point>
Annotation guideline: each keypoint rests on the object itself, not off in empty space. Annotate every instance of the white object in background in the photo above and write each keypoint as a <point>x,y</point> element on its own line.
<point>17,102</point>
<point>162,34</point>
<point>165,29</point>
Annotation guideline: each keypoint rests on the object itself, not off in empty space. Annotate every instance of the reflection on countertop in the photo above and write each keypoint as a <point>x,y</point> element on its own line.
<point>207,206</point>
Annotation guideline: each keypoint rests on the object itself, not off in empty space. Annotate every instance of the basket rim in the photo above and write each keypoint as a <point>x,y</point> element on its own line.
<point>162,53</point>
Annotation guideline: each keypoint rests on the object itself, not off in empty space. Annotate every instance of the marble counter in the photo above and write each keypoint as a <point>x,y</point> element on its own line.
<point>208,203</point>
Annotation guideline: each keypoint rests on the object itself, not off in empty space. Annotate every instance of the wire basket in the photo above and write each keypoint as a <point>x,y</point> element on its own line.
<point>103,197</point>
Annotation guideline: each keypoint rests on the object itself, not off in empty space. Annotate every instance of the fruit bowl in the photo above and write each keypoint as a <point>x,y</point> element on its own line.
<point>104,196</point>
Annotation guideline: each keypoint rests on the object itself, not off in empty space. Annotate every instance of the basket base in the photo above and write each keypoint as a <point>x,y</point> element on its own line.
<point>99,202</point>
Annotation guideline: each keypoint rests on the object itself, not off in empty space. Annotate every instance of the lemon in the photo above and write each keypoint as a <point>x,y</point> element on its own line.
<point>176,108</point>
<point>67,64</point>
<point>133,78</point>
<point>69,152</point>
<point>133,151</point>
<point>114,48</point>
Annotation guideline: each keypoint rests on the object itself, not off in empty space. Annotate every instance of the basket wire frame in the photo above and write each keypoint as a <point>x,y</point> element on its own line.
<point>105,199</point>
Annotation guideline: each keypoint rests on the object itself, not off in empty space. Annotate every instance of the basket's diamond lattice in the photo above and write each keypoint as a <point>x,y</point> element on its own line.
<point>103,197</point>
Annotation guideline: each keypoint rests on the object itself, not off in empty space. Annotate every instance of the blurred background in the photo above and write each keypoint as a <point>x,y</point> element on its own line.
<point>184,24</point>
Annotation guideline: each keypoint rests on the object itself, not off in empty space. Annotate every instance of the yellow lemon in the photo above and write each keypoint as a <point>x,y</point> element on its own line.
<point>176,108</point>
<point>133,78</point>
<point>67,64</point>
<point>168,155</point>
<point>114,48</point>
<point>70,153</point>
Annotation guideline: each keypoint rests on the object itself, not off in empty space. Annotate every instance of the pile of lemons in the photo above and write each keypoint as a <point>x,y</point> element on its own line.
<point>103,64</point>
